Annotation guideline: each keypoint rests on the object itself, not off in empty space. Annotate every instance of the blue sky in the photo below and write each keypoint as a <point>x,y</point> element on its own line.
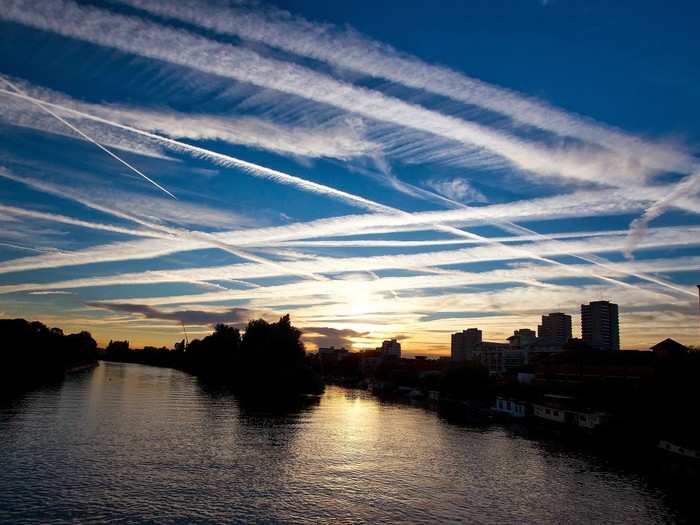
<point>376,169</point>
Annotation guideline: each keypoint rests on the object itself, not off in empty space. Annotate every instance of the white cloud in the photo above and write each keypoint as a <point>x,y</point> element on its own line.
<point>337,139</point>
<point>457,188</point>
<point>688,187</point>
<point>349,49</point>
<point>133,35</point>
<point>665,237</point>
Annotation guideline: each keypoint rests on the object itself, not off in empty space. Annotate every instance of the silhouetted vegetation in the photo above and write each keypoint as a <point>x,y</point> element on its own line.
<point>268,359</point>
<point>33,353</point>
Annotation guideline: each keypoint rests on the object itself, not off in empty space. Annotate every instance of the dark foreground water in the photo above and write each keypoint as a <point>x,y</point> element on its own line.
<point>127,443</point>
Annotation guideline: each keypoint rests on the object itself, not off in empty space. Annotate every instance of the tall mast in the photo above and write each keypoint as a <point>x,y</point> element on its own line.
<point>187,341</point>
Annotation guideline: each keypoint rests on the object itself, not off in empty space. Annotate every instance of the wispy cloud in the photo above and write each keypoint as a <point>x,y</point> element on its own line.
<point>339,139</point>
<point>322,336</point>
<point>234,316</point>
<point>178,234</point>
<point>308,186</point>
<point>538,209</point>
<point>587,164</point>
<point>349,49</point>
<point>417,262</point>
<point>688,187</point>
<point>415,148</point>
<point>90,139</point>
<point>457,188</point>
<point>52,292</point>
<point>144,38</point>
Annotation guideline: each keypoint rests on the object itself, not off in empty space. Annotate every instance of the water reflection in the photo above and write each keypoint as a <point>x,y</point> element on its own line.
<point>129,443</point>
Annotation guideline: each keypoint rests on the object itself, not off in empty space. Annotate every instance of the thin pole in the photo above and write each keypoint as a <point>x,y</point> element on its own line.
<point>187,341</point>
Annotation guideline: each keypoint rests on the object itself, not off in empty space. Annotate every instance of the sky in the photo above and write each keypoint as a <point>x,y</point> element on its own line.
<point>376,169</point>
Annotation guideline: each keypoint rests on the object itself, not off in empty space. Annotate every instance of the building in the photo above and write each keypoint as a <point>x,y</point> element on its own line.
<point>513,359</point>
<point>592,370</point>
<point>464,343</point>
<point>511,407</point>
<point>600,325</point>
<point>668,348</point>
<point>542,348</point>
<point>390,348</point>
<point>468,345</point>
<point>583,419</point>
<point>522,338</point>
<point>332,353</point>
<point>555,327</point>
<point>491,355</point>
<point>681,450</point>
<point>569,411</point>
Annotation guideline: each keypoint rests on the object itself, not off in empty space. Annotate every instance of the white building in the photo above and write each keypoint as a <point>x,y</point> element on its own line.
<point>510,407</point>
<point>579,418</point>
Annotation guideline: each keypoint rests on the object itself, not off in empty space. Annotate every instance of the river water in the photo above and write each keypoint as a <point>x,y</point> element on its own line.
<point>126,443</point>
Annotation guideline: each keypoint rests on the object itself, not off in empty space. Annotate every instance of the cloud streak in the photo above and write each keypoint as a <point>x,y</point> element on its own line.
<point>341,140</point>
<point>689,186</point>
<point>349,49</point>
<point>91,140</point>
<point>448,176</point>
<point>138,36</point>
<point>590,165</point>
<point>235,316</point>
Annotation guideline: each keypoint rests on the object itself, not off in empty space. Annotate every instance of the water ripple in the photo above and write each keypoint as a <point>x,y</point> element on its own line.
<point>135,444</point>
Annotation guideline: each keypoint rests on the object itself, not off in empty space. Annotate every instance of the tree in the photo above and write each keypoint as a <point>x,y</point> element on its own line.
<point>273,344</point>
<point>33,353</point>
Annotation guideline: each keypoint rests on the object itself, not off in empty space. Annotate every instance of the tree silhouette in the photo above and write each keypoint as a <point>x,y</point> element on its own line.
<point>269,359</point>
<point>32,353</point>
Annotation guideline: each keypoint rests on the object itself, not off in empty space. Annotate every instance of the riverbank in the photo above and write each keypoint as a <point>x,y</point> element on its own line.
<point>616,437</point>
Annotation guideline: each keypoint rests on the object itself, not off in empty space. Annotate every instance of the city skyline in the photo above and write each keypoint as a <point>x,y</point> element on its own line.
<point>185,164</point>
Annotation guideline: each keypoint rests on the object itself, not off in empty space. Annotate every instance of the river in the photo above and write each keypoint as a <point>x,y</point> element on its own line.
<point>126,443</point>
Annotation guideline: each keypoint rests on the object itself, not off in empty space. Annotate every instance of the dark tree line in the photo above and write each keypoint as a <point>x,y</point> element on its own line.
<point>267,358</point>
<point>33,353</point>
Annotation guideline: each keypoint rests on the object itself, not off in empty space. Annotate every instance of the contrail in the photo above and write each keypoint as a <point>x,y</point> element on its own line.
<point>688,186</point>
<point>20,212</point>
<point>314,187</point>
<point>41,105</point>
<point>164,231</point>
<point>517,229</point>
<point>349,49</point>
<point>224,160</point>
<point>178,46</point>
<point>27,248</point>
